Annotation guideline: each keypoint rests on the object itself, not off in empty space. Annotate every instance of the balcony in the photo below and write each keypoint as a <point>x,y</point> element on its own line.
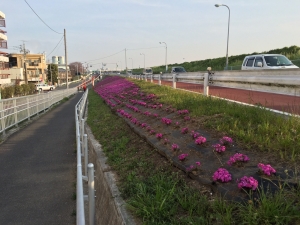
<point>33,65</point>
<point>4,59</point>
<point>2,15</point>
<point>3,36</point>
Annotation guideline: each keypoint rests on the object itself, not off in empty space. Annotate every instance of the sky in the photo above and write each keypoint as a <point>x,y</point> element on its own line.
<point>99,31</point>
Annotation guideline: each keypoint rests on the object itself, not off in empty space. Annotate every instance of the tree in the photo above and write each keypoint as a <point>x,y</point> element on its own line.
<point>76,68</point>
<point>52,70</point>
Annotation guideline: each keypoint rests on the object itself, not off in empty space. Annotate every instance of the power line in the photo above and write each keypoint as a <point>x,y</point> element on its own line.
<point>105,57</point>
<point>56,45</point>
<point>41,18</point>
<point>145,48</point>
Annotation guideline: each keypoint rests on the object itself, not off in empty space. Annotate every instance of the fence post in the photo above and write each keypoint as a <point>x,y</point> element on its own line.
<point>86,157</point>
<point>81,136</point>
<point>2,117</point>
<point>28,111</point>
<point>91,194</point>
<point>205,85</point>
<point>15,113</point>
<point>174,81</point>
<point>151,78</point>
<point>159,79</point>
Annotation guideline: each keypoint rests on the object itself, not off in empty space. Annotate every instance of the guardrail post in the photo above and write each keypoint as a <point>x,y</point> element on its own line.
<point>15,112</point>
<point>81,135</point>
<point>151,78</point>
<point>205,85</point>
<point>146,78</point>
<point>28,111</point>
<point>86,157</point>
<point>91,194</point>
<point>2,118</point>
<point>174,81</point>
<point>159,79</point>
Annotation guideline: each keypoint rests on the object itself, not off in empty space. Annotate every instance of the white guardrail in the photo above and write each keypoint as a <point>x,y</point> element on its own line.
<point>284,81</point>
<point>16,110</point>
<point>82,151</point>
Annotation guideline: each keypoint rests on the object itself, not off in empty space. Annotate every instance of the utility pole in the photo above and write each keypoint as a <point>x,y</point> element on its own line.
<point>50,67</point>
<point>66,59</point>
<point>25,52</point>
<point>126,60</point>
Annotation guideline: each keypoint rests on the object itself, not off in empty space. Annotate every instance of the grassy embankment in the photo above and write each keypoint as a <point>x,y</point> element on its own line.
<point>235,61</point>
<point>158,195</point>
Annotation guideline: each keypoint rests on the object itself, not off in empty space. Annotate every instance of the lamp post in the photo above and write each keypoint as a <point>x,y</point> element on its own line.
<point>166,55</point>
<point>131,64</point>
<point>144,59</point>
<point>218,5</point>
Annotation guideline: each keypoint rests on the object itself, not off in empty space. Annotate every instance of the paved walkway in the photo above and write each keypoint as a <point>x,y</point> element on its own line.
<point>38,170</point>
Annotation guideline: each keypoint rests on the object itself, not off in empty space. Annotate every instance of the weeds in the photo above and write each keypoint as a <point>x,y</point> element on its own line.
<point>157,195</point>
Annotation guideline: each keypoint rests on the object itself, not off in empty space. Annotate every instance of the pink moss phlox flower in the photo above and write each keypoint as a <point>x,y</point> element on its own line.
<point>247,182</point>
<point>191,167</point>
<point>184,111</point>
<point>147,113</point>
<point>198,163</point>
<point>159,136</point>
<point>266,169</point>
<point>152,132</point>
<point>219,148</point>
<point>222,175</point>
<point>226,140</point>
<point>200,140</point>
<point>175,147</point>
<point>166,121</point>
<point>182,157</point>
<point>187,118</point>
<point>143,125</point>
<point>134,121</point>
<point>155,115</point>
<point>148,128</point>
<point>166,141</point>
<point>184,130</point>
<point>160,106</point>
<point>195,134</point>
<point>237,157</point>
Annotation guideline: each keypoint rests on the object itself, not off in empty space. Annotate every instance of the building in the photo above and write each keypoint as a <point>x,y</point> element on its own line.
<point>60,62</point>
<point>34,70</point>
<point>4,60</point>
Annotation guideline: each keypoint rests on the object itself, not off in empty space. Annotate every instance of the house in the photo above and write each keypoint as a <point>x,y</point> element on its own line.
<point>4,60</point>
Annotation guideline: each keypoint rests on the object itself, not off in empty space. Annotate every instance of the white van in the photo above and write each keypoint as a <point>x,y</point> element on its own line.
<point>147,71</point>
<point>267,61</point>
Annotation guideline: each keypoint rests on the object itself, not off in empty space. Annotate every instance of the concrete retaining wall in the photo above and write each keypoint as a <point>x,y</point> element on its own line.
<point>110,207</point>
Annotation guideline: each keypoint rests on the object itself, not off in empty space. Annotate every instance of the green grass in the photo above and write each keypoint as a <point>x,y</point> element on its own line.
<point>254,127</point>
<point>159,194</point>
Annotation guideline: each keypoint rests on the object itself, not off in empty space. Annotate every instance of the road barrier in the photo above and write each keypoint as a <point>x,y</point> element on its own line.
<point>283,81</point>
<point>82,151</point>
<point>13,111</point>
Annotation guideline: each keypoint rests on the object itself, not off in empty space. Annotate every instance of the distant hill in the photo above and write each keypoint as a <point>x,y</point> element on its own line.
<point>235,61</point>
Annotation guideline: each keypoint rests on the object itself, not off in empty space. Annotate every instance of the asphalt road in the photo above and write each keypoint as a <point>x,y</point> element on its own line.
<point>38,170</point>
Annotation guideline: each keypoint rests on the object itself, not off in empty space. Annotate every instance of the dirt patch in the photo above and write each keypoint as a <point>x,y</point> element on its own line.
<point>145,118</point>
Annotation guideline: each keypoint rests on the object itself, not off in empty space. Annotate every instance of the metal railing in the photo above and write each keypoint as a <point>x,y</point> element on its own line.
<point>16,110</point>
<point>284,81</point>
<point>82,151</point>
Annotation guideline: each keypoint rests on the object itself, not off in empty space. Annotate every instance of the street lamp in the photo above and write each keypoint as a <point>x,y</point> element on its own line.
<point>166,54</point>
<point>218,5</point>
<point>131,64</point>
<point>144,59</point>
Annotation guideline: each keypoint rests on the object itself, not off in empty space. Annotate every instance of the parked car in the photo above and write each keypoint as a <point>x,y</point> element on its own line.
<point>267,61</point>
<point>178,69</point>
<point>147,71</point>
<point>44,87</point>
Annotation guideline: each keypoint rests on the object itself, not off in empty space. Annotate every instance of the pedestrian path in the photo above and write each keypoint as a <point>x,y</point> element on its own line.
<point>38,170</point>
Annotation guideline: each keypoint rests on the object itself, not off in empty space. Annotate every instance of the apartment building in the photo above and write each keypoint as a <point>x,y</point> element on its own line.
<point>4,60</point>
<point>33,70</point>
